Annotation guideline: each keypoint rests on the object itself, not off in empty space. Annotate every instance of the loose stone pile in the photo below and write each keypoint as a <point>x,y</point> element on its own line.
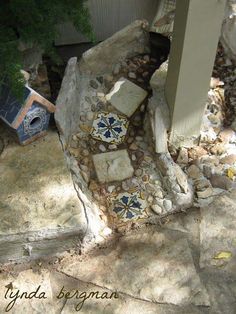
<point>212,165</point>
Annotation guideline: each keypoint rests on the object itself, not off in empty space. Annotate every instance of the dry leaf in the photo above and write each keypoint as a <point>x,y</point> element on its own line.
<point>223,255</point>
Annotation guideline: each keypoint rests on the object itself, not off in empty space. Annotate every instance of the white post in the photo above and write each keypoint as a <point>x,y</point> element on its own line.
<point>196,33</point>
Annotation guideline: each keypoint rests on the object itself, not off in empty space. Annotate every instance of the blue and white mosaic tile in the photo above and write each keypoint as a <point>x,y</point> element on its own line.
<point>109,127</point>
<point>129,206</point>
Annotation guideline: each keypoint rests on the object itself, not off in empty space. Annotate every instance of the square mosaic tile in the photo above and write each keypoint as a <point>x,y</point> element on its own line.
<point>113,166</point>
<point>126,96</point>
<point>128,206</point>
<point>109,127</point>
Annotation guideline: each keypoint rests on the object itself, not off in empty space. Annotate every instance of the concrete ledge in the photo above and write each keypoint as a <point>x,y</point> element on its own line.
<point>39,207</point>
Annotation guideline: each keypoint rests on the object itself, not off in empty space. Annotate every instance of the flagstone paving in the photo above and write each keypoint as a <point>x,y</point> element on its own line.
<point>151,270</point>
<point>152,265</point>
<point>126,96</point>
<point>218,233</point>
<point>123,304</point>
<point>113,166</point>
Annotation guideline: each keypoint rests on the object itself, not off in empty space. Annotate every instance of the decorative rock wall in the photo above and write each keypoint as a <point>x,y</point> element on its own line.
<point>82,90</point>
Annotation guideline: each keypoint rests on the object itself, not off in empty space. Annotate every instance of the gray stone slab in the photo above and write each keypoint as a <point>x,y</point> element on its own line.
<point>189,224</point>
<point>113,166</point>
<point>126,96</point>
<point>126,43</point>
<point>123,304</point>
<point>222,291</point>
<point>218,233</point>
<point>150,265</point>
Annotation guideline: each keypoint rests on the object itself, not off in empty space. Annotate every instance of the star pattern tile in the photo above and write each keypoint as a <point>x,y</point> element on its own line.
<point>109,127</point>
<point>129,206</point>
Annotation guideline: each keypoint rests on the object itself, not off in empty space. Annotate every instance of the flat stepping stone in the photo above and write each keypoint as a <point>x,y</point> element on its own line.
<point>128,206</point>
<point>126,96</point>
<point>152,265</point>
<point>103,301</point>
<point>113,166</point>
<point>221,288</point>
<point>110,128</point>
<point>218,233</point>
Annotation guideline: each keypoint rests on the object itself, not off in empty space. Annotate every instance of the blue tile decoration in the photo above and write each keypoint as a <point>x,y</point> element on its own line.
<point>109,127</point>
<point>129,206</point>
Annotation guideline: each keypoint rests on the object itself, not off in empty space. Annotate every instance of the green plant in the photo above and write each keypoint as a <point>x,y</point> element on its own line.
<point>34,22</point>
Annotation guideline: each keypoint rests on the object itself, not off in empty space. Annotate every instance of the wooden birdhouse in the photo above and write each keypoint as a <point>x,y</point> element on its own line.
<point>29,120</point>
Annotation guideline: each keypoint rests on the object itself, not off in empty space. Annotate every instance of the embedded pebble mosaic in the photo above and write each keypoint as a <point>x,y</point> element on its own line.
<point>116,155</point>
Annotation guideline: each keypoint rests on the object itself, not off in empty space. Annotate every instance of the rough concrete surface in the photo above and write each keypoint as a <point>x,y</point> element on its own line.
<point>38,198</point>
<point>159,264</point>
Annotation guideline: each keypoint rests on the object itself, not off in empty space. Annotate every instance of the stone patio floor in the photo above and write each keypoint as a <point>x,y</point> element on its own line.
<point>187,265</point>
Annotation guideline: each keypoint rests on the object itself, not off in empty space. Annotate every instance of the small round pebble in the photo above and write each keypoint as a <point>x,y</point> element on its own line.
<point>133,146</point>
<point>112,146</point>
<point>85,152</point>
<point>133,157</point>
<point>84,168</point>
<point>82,118</point>
<point>85,160</point>
<point>138,172</point>
<point>130,140</point>
<point>145,74</point>
<point>132,75</point>
<point>111,188</point>
<point>117,69</point>
<point>158,193</point>
<point>143,145</point>
<point>157,209</point>
<point>90,115</point>
<point>140,80</point>
<point>125,186</point>
<point>150,199</point>
<point>145,178</point>
<point>142,108</point>
<point>167,204</point>
<point>146,58</point>
<point>102,148</point>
